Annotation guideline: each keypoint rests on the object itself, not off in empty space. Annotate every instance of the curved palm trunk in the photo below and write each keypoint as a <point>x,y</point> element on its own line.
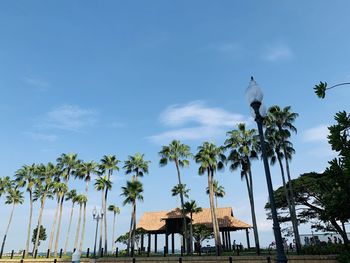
<point>78,228</point>
<point>213,215</point>
<point>7,229</point>
<point>39,222</point>
<point>293,213</point>
<point>83,230</point>
<point>68,231</point>
<point>113,247</point>
<point>52,233</point>
<point>252,210</point>
<point>59,226</point>
<point>183,210</point>
<point>30,221</point>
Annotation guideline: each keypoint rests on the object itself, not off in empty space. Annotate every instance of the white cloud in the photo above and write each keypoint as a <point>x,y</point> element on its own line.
<point>277,53</point>
<point>69,117</point>
<point>41,136</point>
<point>316,134</point>
<point>205,122</point>
<point>37,83</point>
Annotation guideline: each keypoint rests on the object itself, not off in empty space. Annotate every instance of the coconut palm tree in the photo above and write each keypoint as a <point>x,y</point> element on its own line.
<point>178,153</point>
<point>83,199</point>
<point>14,197</point>
<point>219,191</point>
<point>46,176</point>
<point>282,120</point>
<point>109,163</point>
<point>243,147</point>
<point>132,192</point>
<point>191,208</point>
<point>116,211</point>
<point>101,184</point>
<point>62,190</point>
<point>71,195</point>
<point>210,157</point>
<point>25,178</point>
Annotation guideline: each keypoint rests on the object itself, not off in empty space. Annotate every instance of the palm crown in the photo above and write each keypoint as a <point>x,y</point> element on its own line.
<point>175,152</point>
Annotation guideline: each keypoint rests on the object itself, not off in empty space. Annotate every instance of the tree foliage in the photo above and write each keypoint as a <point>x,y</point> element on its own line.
<point>42,234</point>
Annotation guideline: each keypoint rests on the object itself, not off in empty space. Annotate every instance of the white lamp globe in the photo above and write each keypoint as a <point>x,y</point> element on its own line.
<point>253,92</point>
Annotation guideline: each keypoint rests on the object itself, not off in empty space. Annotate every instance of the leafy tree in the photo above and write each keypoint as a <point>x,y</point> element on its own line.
<point>42,234</point>
<point>178,153</point>
<point>116,211</point>
<point>210,157</point>
<point>14,197</point>
<point>132,192</point>
<point>219,191</point>
<point>243,147</point>
<point>201,233</point>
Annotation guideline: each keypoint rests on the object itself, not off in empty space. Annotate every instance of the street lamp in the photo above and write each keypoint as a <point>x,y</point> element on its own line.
<point>255,96</point>
<point>97,216</point>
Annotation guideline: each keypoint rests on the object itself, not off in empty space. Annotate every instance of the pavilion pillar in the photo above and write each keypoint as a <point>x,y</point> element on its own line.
<point>226,240</point>
<point>223,239</point>
<point>172,243</point>
<point>247,233</point>
<point>149,242</point>
<point>183,243</point>
<point>155,243</point>
<point>229,241</point>
<point>142,248</point>
<point>166,243</point>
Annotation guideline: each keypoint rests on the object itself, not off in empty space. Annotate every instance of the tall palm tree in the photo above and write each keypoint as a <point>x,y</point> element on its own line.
<point>80,201</point>
<point>180,189</point>
<point>25,178</point>
<point>14,197</point>
<point>178,153</point>
<point>282,120</point>
<point>243,147</point>
<point>109,163</point>
<point>192,208</point>
<point>71,195</point>
<point>138,167</point>
<point>84,171</point>
<point>210,157</point>
<point>46,176</point>
<point>219,191</point>
<point>132,192</point>
<point>62,190</point>
<point>83,199</point>
<point>116,211</point>
<point>101,184</point>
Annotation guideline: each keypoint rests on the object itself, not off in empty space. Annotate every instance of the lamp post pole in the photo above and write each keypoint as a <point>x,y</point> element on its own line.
<point>97,217</point>
<point>255,103</point>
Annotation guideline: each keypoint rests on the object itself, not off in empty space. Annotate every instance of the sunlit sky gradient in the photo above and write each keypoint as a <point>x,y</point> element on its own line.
<point>120,77</point>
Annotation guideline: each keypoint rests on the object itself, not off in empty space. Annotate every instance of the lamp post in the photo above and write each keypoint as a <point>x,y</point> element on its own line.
<point>255,96</point>
<point>97,216</point>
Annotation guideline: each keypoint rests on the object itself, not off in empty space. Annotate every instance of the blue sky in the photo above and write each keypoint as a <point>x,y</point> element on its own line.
<point>120,77</point>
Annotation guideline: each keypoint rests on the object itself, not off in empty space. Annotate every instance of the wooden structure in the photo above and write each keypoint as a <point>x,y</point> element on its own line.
<point>171,222</point>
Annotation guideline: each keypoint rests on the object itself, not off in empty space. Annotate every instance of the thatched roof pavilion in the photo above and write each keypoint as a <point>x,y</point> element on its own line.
<point>170,222</point>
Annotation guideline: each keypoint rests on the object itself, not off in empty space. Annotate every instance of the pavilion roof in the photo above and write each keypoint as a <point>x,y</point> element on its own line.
<point>155,221</point>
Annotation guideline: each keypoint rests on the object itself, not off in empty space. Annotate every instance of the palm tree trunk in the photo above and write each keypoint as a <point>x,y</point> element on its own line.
<point>52,233</point>
<point>30,221</point>
<point>134,228</point>
<point>293,213</point>
<point>105,211</point>
<point>59,226</point>
<point>113,232</point>
<point>191,233</point>
<point>83,230</point>
<point>182,208</point>
<point>39,222</point>
<point>213,215</point>
<point>7,229</point>
<point>101,225</point>
<point>78,228</point>
<point>68,231</point>
<point>130,234</point>
<point>252,209</point>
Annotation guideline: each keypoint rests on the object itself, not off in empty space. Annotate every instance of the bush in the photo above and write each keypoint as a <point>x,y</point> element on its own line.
<point>344,257</point>
<point>324,249</point>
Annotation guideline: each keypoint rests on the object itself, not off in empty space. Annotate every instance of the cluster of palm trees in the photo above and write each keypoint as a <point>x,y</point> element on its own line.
<point>240,148</point>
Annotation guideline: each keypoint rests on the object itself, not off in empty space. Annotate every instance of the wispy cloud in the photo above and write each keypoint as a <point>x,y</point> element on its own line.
<point>316,134</point>
<point>204,122</point>
<point>38,83</point>
<point>277,53</point>
<point>69,117</point>
<point>41,136</point>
